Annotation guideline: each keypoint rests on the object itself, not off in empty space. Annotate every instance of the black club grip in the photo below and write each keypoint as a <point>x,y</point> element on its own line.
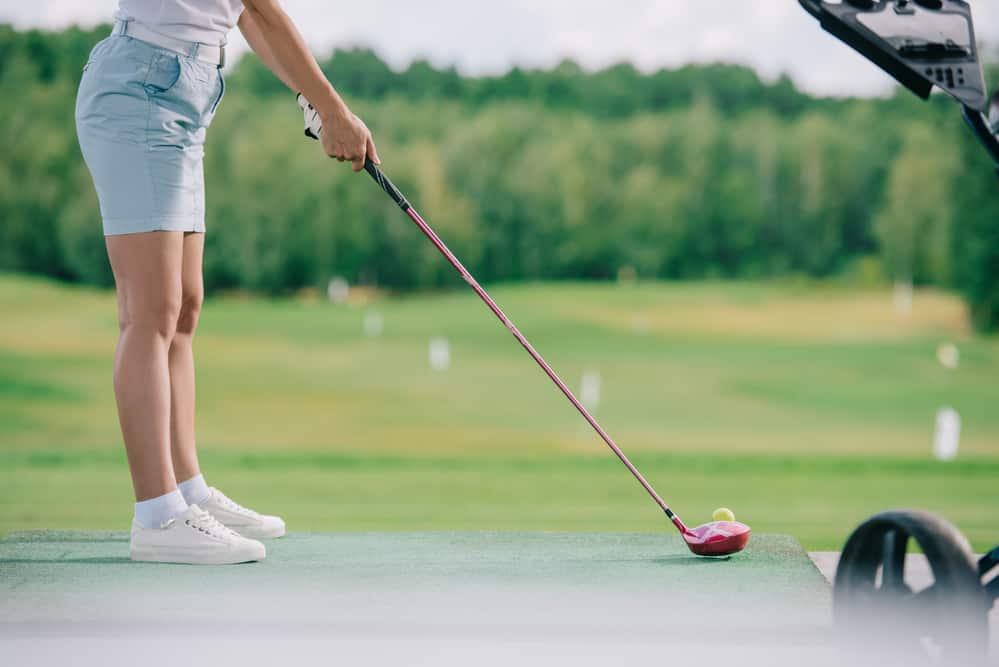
<point>388,186</point>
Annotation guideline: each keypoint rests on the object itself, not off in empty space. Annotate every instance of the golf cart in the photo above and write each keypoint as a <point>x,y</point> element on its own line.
<point>922,44</point>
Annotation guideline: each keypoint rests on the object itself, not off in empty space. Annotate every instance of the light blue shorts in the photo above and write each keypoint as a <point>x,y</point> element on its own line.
<point>141,116</point>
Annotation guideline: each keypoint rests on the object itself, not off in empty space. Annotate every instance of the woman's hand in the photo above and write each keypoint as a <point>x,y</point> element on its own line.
<point>274,37</point>
<point>347,138</point>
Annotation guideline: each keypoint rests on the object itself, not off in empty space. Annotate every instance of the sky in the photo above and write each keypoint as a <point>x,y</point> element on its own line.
<point>772,36</point>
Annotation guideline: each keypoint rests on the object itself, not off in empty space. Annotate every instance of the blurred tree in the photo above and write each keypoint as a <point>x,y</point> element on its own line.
<point>974,238</point>
<point>915,222</point>
<point>361,72</point>
<point>705,170</point>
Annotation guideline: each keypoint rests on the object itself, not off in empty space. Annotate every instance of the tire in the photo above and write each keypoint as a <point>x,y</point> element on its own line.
<point>880,618</point>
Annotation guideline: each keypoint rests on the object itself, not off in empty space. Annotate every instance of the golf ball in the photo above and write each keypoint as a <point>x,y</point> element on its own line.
<point>723,514</point>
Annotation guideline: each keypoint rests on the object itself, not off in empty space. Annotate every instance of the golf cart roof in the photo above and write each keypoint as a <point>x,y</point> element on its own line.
<point>921,43</point>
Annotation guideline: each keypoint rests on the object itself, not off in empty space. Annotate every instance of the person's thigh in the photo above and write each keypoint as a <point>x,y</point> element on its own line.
<point>148,270</point>
<point>192,282</point>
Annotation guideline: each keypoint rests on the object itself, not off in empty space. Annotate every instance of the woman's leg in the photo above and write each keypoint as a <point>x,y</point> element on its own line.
<point>182,439</point>
<point>147,272</point>
<point>181,360</point>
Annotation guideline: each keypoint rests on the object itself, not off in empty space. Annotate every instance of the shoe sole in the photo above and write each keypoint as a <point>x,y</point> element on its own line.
<point>151,555</point>
<point>253,534</point>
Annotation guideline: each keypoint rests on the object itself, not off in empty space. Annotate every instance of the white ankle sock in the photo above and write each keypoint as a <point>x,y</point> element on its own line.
<point>154,512</point>
<point>195,490</point>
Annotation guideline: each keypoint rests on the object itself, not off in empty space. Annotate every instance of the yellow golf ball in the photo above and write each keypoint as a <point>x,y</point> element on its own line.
<point>723,514</point>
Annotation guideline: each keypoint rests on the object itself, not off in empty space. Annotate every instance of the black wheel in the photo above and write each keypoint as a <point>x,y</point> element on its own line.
<point>878,611</point>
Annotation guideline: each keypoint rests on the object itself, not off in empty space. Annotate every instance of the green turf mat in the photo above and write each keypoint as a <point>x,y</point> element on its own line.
<point>588,595</point>
<point>80,562</point>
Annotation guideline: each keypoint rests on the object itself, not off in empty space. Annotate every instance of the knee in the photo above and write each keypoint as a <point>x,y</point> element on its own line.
<point>190,309</point>
<point>155,317</point>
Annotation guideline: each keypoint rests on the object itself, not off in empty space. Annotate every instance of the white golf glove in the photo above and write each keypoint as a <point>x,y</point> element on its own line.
<point>313,124</point>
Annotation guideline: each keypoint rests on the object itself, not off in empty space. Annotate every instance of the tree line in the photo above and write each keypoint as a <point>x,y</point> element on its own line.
<point>700,172</point>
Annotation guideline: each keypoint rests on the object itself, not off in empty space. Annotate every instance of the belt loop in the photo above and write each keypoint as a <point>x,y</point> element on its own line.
<point>195,47</point>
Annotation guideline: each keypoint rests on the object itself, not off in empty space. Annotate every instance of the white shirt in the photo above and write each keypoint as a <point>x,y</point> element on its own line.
<point>205,21</point>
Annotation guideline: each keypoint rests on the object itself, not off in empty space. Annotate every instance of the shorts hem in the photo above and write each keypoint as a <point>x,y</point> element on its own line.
<point>119,227</point>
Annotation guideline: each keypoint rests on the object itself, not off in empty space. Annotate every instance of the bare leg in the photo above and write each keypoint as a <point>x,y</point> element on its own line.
<point>181,356</point>
<point>147,272</point>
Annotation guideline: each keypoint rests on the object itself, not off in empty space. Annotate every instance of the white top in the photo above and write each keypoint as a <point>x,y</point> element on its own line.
<point>205,21</point>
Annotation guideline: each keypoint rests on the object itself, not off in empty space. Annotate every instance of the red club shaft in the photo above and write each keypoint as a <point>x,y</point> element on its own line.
<point>474,284</point>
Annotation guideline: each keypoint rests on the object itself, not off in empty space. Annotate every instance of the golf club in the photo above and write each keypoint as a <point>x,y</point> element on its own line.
<point>716,538</point>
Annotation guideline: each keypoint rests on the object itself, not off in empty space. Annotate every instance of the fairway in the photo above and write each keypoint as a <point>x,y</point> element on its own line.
<point>807,406</point>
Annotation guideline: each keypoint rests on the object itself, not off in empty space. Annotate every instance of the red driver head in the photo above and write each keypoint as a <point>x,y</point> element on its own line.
<point>718,538</point>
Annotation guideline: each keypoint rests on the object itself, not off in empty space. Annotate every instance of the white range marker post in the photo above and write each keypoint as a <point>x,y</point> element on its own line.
<point>589,391</point>
<point>373,324</point>
<point>948,355</point>
<point>947,437</point>
<point>440,354</point>
<point>338,290</point>
<point>902,298</point>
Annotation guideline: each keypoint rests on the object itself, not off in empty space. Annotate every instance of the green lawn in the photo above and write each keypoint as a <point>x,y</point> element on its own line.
<point>803,407</point>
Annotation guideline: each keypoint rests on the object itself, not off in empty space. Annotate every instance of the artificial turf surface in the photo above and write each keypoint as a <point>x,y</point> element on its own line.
<point>33,562</point>
<point>491,598</point>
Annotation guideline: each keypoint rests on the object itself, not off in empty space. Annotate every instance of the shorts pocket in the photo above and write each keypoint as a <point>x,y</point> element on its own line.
<point>218,100</point>
<point>95,53</point>
<point>163,74</point>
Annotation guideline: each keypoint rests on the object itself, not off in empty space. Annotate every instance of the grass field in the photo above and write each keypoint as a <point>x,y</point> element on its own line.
<point>804,407</point>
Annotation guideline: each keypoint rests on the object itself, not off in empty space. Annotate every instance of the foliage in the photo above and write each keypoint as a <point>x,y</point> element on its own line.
<point>916,220</point>
<point>695,172</point>
<point>975,234</point>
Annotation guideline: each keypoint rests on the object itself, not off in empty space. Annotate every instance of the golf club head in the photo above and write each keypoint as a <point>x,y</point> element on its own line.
<point>717,538</point>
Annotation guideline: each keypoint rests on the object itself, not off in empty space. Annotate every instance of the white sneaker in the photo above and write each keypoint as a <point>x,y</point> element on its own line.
<point>244,521</point>
<point>194,538</point>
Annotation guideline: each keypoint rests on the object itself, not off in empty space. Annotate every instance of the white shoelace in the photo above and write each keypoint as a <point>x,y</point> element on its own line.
<point>206,523</point>
<point>232,505</point>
